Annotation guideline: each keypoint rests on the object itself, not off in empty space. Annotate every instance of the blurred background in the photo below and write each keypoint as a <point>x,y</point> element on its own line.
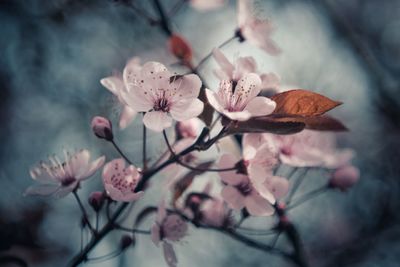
<point>53,54</point>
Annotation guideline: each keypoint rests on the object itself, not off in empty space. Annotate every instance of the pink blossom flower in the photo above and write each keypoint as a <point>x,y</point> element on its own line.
<point>168,229</point>
<point>117,85</point>
<point>102,128</point>
<point>311,149</point>
<point>152,91</point>
<point>206,5</point>
<point>344,177</point>
<point>242,103</point>
<point>120,182</point>
<point>242,66</point>
<point>60,178</point>
<point>188,129</point>
<point>240,191</point>
<point>257,31</point>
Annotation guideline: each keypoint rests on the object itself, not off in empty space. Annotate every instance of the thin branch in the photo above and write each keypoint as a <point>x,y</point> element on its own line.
<point>308,196</point>
<point>120,152</point>
<point>134,231</point>
<point>296,186</point>
<point>84,213</point>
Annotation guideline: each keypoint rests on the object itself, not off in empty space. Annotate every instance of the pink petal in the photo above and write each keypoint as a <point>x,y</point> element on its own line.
<point>233,197</point>
<point>186,110</point>
<point>126,117</point>
<point>214,100</point>
<point>230,177</point>
<point>139,98</point>
<point>169,254</point>
<point>226,66</point>
<point>157,120</point>
<point>92,168</point>
<point>260,106</point>
<point>345,177</point>
<point>132,71</point>
<point>251,142</point>
<point>111,168</point>
<point>154,76</point>
<point>41,175</point>
<point>258,206</point>
<point>206,5</point>
<point>244,9</point>
<point>161,212</point>
<point>248,87</point>
<point>244,65</point>
<point>65,190</point>
<point>78,162</point>
<point>185,88</point>
<point>237,115</point>
<point>114,84</point>
<point>278,186</point>
<point>270,81</point>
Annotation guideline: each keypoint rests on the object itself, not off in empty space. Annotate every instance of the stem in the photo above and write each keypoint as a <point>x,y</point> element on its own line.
<point>120,152</point>
<point>165,25</point>
<point>296,186</point>
<point>84,213</point>
<point>202,61</point>
<point>135,231</point>
<point>302,199</point>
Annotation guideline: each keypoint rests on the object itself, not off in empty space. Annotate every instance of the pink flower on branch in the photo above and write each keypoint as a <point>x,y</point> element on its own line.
<point>241,102</point>
<point>206,5</point>
<point>117,85</point>
<point>120,182</point>
<point>61,178</point>
<point>163,96</point>
<point>257,31</point>
<point>344,177</point>
<point>166,230</point>
<point>242,66</point>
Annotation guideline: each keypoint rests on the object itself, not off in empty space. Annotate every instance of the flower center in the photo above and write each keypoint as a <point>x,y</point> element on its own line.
<point>244,188</point>
<point>162,105</point>
<point>241,166</point>
<point>68,181</point>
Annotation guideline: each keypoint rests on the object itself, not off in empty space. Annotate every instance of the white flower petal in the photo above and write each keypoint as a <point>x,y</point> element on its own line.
<point>114,84</point>
<point>260,106</point>
<point>214,100</point>
<point>186,110</point>
<point>169,254</point>
<point>132,71</point>
<point>226,66</point>
<point>185,88</point>
<point>233,197</point>
<point>230,177</point>
<point>157,120</point>
<point>92,168</point>
<point>248,87</point>
<point>258,206</point>
<point>41,190</point>
<point>237,115</point>
<point>138,98</point>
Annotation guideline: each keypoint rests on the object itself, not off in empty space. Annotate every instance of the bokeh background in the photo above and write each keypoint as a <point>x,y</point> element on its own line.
<point>53,54</point>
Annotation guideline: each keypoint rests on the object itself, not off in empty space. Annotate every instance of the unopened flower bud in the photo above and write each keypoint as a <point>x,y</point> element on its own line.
<point>102,128</point>
<point>180,48</point>
<point>126,241</point>
<point>96,200</point>
<point>344,177</point>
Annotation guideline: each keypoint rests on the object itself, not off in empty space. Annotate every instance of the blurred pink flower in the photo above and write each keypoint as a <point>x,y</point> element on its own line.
<point>188,129</point>
<point>159,94</point>
<point>242,66</point>
<point>311,149</point>
<point>257,31</point>
<point>120,182</point>
<point>117,84</point>
<point>60,178</point>
<point>242,103</point>
<point>240,191</point>
<point>206,5</point>
<point>344,177</point>
<point>168,229</point>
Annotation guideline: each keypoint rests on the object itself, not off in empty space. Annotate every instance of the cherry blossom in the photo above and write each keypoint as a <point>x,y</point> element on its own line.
<point>120,182</point>
<point>117,85</point>
<point>244,65</point>
<point>344,177</point>
<point>242,103</point>
<point>257,31</point>
<point>206,5</point>
<point>240,191</point>
<point>155,91</point>
<point>214,212</point>
<point>168,229</point>
<point>188,129</point>
<point>58,178</point>
<point>311,149</point>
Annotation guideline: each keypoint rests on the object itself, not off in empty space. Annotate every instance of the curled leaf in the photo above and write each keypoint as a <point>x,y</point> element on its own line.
<point>302,103</point>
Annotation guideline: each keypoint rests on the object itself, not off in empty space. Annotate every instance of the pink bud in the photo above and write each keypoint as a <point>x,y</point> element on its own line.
<point>344,177</point>
<point>102,128</point>
<point>96,200</point>
<point>188,128</point>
